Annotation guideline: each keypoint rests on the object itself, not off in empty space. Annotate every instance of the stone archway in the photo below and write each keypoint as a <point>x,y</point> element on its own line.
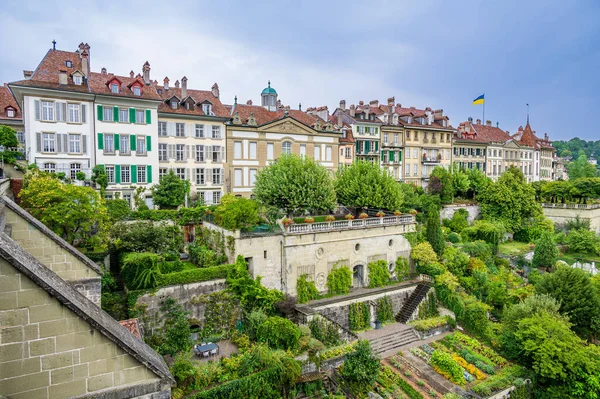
<point>358,276</point>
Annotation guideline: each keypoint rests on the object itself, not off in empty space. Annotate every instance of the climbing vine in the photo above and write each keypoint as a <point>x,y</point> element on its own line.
<point>221,313</point>
<point>307,290</point>
<point>379,274</point>
<point>339,280</point>
<point>385,313</point>
<point>359,316</point>
<point>325,331</point>
<point>429,307</point>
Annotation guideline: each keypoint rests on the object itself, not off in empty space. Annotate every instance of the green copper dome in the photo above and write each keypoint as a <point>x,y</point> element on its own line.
<point>269,90</point>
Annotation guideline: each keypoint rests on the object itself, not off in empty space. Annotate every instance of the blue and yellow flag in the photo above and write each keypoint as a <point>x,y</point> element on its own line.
<point>479,100</point>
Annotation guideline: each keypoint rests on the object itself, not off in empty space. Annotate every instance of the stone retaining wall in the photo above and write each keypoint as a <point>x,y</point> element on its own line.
<point>448,211</point>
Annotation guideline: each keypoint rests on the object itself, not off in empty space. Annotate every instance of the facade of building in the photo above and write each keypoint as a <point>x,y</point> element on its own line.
<point>258,135</point>
<point>392,142</point>
<point>11,115</point>
<point>191,138</point>
<point>366,130</point>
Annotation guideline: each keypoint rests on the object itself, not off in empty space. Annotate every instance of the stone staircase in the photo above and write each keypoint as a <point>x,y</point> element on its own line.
<point>389,341</point>
<point>412,302</point>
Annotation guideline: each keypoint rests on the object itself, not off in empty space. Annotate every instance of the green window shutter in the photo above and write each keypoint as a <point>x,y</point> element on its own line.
<point>118,174</point>
<point>117,142</point>
<point>391,156</point>
<point>132,115</point>
<point>376,146</point>
<point>116,114</point>
<point>148,143</point>
<point>148,116</point>
<point>134,173</point>
<point>100,113</point>
<point>100,140</point>
<point>376,129</point>
<point>382,152</point>
<point>367,146</point>
<point>132,143</point>
<point>149,173</point>
<point>357,146</point>
<point>399,156</point>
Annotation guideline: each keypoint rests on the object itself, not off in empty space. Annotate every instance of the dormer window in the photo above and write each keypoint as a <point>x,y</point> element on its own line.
<point>77,79</point>
<point>174,104</point>
<point>114,88</point>
<point>69,64</point>
<point>10,112</point>
<point>207,109</point>
<point>187,105</point>
<point>137,91</point>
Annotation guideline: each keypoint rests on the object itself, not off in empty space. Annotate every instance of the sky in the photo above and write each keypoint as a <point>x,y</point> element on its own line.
<point>427,53</point>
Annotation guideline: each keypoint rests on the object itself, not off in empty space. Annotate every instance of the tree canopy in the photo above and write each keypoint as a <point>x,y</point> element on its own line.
<point>8,137</point>
<point>294,183</point>
<point>366,185</point>
<point>170,192</point>
<point>433,231</point>
<point>581,168</point>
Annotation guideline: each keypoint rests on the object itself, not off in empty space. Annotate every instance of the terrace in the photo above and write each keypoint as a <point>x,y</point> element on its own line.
<point>303,228</point>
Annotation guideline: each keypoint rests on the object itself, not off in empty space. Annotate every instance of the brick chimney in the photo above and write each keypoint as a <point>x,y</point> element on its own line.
<point>215,90</point>
<point>166,83</point>
<point>343,105</point>
<point>391,101</point>
<point>478,121</point>
<point>352,111</point>
<point>340,119</point>
<point>488,123</point>
<point>131,74</point>
<point>62,77</point>
<point>27,74</point>
<point>374,103</point>
<point>146,72</point>
<point>183,87</point>
<point>103,71</point>
<point>367,109</point>
<point>85,63</point>
<point>177,84</point>
<point>249,102</point>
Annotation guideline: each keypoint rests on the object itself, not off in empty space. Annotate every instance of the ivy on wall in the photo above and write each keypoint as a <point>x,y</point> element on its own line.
<point>385,313</point>
<point>359,316</point>
<point>221,313</point>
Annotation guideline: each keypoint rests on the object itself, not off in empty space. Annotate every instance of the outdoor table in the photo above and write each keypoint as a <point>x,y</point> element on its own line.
<point>202,349</point>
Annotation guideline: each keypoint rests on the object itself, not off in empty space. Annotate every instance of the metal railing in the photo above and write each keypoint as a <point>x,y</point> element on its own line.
<point>350,224</point>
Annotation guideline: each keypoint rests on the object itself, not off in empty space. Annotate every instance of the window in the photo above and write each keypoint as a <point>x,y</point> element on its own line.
<point>407,135</point>
<point>162,172</point>
<point>415,169</point>
<point>109,144</point>
<point>114,88</point>
<point>416,136</point>
<point>395,138</point>
<point>107,114</point>
<point>49,142</point>
<point>348,153</point>
<point>415,153</point>
<point>216,197</point>
<point>162,129</point>
<point>137,91</point>
<point>21,137</point>
<point>77,79</point>
<point>252,150</point>
<point>124,144</point>
<point>199,131</point>
<point>180,152</point>
<point>200,178</point>
<point>216,153</point>
<point>286,147</point>
<point>385,138</point>
<point>237,150</point>
<point>317,153</point>
<point>163,155</point>
<point>328,153</point>
<point>123,115</point>
<point>199,153</point>
<point>174,104</point>
<point>216,176</point>
<point>303,150</point>
<point>10,113</point>
<point>48,111</point>
<point>270,151</point>
<point>237,177</point>
<point>180,172</point>
<point>207,109</point>
<point>141,145</point>
<point>141,174</point>
<point>180,130</point>
<point>50,167</point>
<point>75,143</point>
<point>252,177</point>
<point>110,174</point>
<point>139,116</point>
<point>125,174</point>
<point>216,132</point>
<point>69,64</point>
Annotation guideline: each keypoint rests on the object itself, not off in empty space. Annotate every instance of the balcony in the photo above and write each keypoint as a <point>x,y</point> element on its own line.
<point>432,159</point>
<point>305,228</point>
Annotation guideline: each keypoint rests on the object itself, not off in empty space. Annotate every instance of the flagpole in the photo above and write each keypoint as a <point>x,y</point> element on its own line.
<point>483,121</point>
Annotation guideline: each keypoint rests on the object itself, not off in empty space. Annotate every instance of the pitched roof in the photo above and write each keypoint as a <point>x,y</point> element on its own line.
<point>7,99</point>
<point>199,96</point>
<point>29,266</point>
<point>133,326</point>
<point>98,83</point>
<point>264,116</point>
<point>491,133</point>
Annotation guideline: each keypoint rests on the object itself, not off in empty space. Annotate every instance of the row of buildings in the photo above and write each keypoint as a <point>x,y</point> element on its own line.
<point>70,119</point>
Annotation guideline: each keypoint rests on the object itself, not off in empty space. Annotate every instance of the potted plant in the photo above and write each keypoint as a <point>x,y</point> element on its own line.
<point>413,212</point>
<point>397,213</point>
<point>349,216</point>
<point>329,218</point>
<point>286,221</point>
<point>309,219</point>
<point>363,215</point>
<point>380,214</point>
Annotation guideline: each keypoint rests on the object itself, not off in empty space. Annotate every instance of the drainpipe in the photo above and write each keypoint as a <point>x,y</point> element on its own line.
<point>282,265</point>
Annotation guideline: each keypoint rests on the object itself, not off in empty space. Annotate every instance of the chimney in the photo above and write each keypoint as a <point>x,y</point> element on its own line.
<point>367,109</point>
<point>166,82</point>
<point>374,103</point>
<point>340,119</point>
<point>352,111</point>
<point>177,84</point>
<point>85,63</point>
<point>488,123</point>
<point>131,74</point>
<point>146,72</point>
<point>27,74</point>
<point>478,121</point>
<point>62,77</point>
<point>103,71</point>
<point>215,90</point>
<point>497,124</point>
<point>390,110</point>
<point>361,103</point>
<point>343,105</point>
<point>183,87</point>
<point>249,102</point>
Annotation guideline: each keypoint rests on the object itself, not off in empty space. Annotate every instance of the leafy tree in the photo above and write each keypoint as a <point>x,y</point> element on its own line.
<point>478,182</point>
<point>236,213</point>
<point>580,168</point>
<point>366,185</point>
<point>442,184</point>
<point>509,200</point>
<point>434,233</point>
<point>73,212</point>
<point>8,137</point>
<point>423,254</point>
<point>461,182</point>
<point>295,183</point>
<point>402,268</point>
<point>579,298</point>
<point>99,177</point>
<point>456,260</point>
<point>278,333</point>
<point>177,329</point>
<point>379,274</point>
<point>546,251</point>
<point>489,231</point>
<point>361,368</point>
<point>459,220</point>
<point>170,192</point>
<point>117,209</point>
<point>146,237</point>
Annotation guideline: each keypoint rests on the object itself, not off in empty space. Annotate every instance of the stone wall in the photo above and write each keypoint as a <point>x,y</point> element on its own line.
<point>448,211</point>
<point>48,351</point>
<point>561,215</point>
<point>183,294</point>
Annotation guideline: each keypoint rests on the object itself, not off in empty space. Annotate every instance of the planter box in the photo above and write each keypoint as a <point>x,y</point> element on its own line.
<point>433,332</point>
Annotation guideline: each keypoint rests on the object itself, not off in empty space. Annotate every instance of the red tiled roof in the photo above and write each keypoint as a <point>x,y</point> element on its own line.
<point>199,96</point>
<point>6,100</point>
<point>490,133</point>
<point>98,83</point>
<point>133,326</point>
<point>527,137</point>
<point>264,116</point>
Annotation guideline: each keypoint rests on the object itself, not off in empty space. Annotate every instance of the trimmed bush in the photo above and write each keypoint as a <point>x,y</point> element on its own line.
<point>454,238</point>
<point>307,290</point>
<point>194,275</point>
<point>279,333</point>
<point>339,280</point>
<point>379,274</point>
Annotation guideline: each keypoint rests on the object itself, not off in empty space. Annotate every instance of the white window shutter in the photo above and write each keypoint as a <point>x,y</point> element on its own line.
<point>208,175</point>
<point>171,151</point>
<point>66,143</point>
<point>207,152</point>
<point>64,112</point>
<point>222,154</point>
<point>38,138</point>
<point>84,144</point>
<point>171,128</point>
<point>57,110</point>
<point>83,113</point>
<point>37,111</point>
<point>59,143</point>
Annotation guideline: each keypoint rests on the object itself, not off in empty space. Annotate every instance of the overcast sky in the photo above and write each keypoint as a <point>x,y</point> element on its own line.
<point>441,54</point>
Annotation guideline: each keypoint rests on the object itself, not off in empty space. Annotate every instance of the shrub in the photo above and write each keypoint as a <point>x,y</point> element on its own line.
<point>146,237</point>
<point>325,331</point>
<point>279,333</point>
<point>117,209</point>
<point>361,368</point>
<point>236,213</point>
<point>385,312</point>
<point>194,275</point>
<point>454,238</point>
<point>423,253</point>
<point>433,322</point>
<point>402,268</point>
<point>431,269</point>
<point>583,241</point>
<point>359,316</point>
<point>546,252</point>
<point>201,256</point>
<point>379,274</point>
<point>307,290</point>
<point>444,364</point>
<point>141,270</point>
<point>339,280</point>
<point>253,321</point>
<point>488,231</point>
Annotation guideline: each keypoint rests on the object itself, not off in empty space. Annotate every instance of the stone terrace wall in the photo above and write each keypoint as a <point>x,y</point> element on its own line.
<point>561,215</point>
<point>448,211</point>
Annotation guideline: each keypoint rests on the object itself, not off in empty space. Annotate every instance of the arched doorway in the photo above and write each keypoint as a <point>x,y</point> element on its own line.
<point>358,276</point>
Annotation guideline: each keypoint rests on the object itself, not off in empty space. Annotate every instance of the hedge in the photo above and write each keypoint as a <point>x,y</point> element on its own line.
<point>181,216</point>
<point>264,384</point>
<point>195,275</point>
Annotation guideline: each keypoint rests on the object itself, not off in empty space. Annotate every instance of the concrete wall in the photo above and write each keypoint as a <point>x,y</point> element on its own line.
<point>48,351</point>
<point>448,211</point>
<point>563,215</point>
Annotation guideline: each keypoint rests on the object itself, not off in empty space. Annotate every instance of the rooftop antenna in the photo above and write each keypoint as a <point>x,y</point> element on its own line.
<point>527,113</point>
<point>54,45</point>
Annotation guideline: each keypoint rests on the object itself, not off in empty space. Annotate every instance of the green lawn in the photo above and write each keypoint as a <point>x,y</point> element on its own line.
<point>571,258</point>
<point>513,248</point>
